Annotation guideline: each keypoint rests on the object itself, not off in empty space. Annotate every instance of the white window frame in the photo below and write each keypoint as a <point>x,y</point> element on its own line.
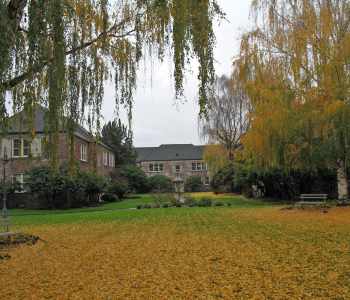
<point>19,178</point>
<point>111,159</point>
<point>198,166</point>
<point>175,167</point>
<point>105,159</point>
<point>83,152</point>
<point>156,167</point>
<point>21,148</point>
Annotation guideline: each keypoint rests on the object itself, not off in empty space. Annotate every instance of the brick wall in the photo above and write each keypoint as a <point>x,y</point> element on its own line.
<point>169,169</point>
<point>94,153</point>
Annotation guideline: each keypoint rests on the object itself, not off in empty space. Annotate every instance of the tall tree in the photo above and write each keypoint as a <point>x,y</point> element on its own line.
<point>59,53</point>
<point>295,66</point>
<point>117,135</point>
<point>227,117</point>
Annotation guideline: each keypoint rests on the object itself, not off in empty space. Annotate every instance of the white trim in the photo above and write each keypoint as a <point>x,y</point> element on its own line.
<point>83,152</point>
<point>156,167</point>
<point>21,147</point>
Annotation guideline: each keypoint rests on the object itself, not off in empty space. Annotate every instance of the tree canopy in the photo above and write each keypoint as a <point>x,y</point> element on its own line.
<point>117,135</point>
<point>295,66</point>
<point>60,53</point>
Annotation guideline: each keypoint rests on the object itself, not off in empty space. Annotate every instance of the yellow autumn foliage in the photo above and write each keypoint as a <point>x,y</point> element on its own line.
<point>217,253</point>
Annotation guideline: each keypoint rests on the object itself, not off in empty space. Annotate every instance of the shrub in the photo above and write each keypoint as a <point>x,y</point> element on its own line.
<point>166,205</point>
<point>58,190</point>
<point>228,204</point>
<point>134,176</point>
<point>160,184</point>
<point>139,206</point>
<point>204,202</point>
<point>119,188</point>
<point>193,184</point>
<point>223,180</point>
<point>218,204</point>
<point>109,198</point>
<point>189,201</point>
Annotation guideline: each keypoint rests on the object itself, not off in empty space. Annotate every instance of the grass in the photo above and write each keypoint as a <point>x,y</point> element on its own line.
<point>250,250</point>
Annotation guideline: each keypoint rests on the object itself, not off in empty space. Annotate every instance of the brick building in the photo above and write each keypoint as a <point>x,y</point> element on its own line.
<point>25,153</point>
<point>174,161</point>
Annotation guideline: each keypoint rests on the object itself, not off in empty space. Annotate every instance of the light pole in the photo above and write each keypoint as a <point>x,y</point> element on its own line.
<point>5,216</point>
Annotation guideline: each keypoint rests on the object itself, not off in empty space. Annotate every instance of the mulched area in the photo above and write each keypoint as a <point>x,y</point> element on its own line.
<point>10,239</point>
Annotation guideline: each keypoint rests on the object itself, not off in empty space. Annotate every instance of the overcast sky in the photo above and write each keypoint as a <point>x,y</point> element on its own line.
<point>157,118</point>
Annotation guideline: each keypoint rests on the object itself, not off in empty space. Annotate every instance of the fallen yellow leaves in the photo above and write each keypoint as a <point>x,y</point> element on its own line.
<point>213,254</point>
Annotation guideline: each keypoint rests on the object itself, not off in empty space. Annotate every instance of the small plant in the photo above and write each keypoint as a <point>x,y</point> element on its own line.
<point>205,202</point>
<point>189,201</point>
<point>147,206</point>
<point>229,204</point>
<point>139,206</point>
<point>157,205</point>
<point>178,204</point>
<point>219,204</point>
<point>166,205</point>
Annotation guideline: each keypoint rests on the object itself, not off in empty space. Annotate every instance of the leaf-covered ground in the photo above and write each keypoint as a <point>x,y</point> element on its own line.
<point>205,253</point>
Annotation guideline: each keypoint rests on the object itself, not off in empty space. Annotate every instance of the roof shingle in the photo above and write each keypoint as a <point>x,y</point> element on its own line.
<point>170,152</point>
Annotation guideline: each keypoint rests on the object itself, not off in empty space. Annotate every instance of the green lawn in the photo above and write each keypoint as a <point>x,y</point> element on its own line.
<point>124,210</point>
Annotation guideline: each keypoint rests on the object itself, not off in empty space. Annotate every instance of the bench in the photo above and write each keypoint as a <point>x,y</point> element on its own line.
<point>313,200</point>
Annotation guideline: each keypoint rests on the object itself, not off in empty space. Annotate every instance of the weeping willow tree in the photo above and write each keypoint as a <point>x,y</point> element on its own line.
<point>59,53</point>
<point>295,65</point>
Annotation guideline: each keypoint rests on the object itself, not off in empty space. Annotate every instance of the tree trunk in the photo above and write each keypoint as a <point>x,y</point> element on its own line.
<point>342,180</point>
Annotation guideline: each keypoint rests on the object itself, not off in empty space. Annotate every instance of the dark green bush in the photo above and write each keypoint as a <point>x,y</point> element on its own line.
<point>161,184</point>
<point>109,198</point>
<point>193,184</point>
<point>136,178</point>
<point>58,190</point>
<point>166,205</point>
<point>219,204</point>
<point>223,180</point>
<point>119,188</point>
<point>204,202</point>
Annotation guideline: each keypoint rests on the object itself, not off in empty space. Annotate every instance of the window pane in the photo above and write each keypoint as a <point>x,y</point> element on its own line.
<point>161,167</point>
<point>151,167</point>
<point>26,148</point>
<point>17,147</point>
<point>193,166</point>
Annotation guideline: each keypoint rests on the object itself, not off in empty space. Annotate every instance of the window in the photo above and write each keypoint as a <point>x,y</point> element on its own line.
<point>111,159</point>
<point>83,152</point>
<point>198,166</point>
<point>156,168</point>
<point>177,168</point>
<point>20,148</point>
<point>105,159</point>
<point>20,179</point>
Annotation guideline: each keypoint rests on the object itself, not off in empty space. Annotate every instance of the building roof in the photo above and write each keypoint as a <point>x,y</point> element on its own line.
<point>20,124</point>
<point>171,152</point>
